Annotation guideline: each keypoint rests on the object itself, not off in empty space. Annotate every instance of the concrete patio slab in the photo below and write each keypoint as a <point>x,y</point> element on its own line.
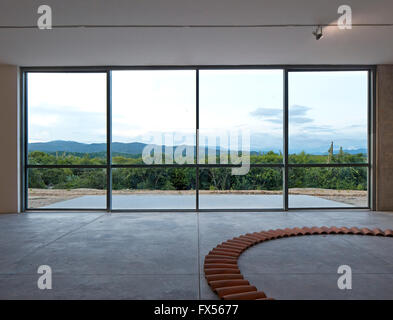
<point>231,201</point>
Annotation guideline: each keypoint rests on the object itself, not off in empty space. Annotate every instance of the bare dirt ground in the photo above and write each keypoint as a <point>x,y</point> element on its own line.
<point>357,198</point>
<point>39,198</point>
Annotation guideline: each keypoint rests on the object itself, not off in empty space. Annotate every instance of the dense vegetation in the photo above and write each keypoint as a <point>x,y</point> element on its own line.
<point>348,178</point>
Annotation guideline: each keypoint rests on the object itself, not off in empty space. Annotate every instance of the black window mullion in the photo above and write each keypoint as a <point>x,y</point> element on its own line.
<point>371,140</point>
<point>326,165</point>
<point>65,166</point>
<point>197,141</point>
<point>285,140</point>
<point>24,157</point>
<point>109,140</point>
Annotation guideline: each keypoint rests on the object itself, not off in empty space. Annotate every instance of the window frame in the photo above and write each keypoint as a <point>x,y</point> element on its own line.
<point>24,166</point>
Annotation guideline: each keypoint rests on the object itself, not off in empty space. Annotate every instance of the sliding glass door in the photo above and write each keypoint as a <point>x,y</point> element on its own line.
<point>153,139</point>
<point>328,139</point>
<point>241,120</point>
<point>66,163</point>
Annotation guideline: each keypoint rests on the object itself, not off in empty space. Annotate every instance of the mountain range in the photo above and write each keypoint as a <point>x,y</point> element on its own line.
<point>132,148</point>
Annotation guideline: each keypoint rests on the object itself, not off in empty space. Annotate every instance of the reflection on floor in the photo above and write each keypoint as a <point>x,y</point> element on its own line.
<point>160,255</point>
<point>230,201</point>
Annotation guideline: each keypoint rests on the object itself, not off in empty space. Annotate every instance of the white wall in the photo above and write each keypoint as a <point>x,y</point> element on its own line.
<point>384,138</point>
<point>9,139</point>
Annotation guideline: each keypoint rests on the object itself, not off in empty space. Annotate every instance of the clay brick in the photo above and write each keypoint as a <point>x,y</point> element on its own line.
<point>240,243</point>
<point>325,230</point>
<point>227,276</point>
<point>217,255</point>
<point>315,230</point>
<point>378,232</point>
<point>236,243</point>
<point>276,234</point>
<point>219,260</point>
<point>334,230</point>
<point>222,271</point>
<point>367,232</point>
<point>225,252</point>
<point>245,241</point>
<point>345,230</point>
<point>354,230</point>
<point>268,235</point>
<point>227,283</point>
<point>245,296</point>
<point>232,246</point>
<point>307,230</point>
<point>249,238</point>
<point>229,246</point>
<point>299,232</point>
<point>388,233</point>
<point>253,236</point>
<point>219,265</point>
<point>259,236</point>
<point>280,233</point>
<point>221,248</point>
<point>262,234</point>
<point>236,289</point>
<point>289,232</point>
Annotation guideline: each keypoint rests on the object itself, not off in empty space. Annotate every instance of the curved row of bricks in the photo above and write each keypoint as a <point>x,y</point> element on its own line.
<point>222,272</point>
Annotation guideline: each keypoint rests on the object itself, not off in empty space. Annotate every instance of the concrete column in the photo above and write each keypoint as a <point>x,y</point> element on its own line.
<point>384,138</point>
<point>9,139</point>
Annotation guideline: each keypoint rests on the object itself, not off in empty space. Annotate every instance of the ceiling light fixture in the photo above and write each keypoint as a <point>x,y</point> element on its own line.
<point>318,33</point>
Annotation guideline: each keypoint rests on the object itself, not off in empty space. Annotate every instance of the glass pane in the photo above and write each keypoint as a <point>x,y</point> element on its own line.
<point>328,187</point>
<point>260,188</point>
<point>328,117</point>
<point>153,188</point>
<point>241,105</point>
<point>66,118</point>
<point>64,188</point>
<point>153,113</point>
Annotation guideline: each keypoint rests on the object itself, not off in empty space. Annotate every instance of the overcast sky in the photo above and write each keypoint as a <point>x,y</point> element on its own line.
<point>324,107</point>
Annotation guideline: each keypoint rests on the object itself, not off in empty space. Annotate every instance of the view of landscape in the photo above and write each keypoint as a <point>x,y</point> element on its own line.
<point>327,125</point>
<point>214,180</point>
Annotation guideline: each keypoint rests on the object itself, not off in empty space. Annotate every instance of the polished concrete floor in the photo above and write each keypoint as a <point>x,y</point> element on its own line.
<point>159,255</point>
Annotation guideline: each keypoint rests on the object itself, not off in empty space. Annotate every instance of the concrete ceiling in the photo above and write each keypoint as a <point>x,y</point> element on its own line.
<point>194,46</point>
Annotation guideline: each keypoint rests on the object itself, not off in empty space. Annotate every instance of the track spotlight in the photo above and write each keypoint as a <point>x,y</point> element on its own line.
<point>318,33</point>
